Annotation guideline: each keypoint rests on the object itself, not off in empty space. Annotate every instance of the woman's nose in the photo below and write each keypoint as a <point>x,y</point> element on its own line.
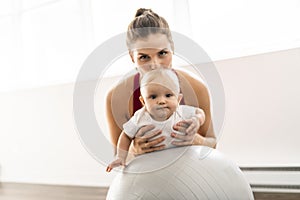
<point>155,64</point>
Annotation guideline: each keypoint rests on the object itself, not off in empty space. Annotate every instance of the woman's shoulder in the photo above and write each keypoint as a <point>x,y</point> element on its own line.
<point>119,98</point>
<point>123,87</point>
<point>191,79</point>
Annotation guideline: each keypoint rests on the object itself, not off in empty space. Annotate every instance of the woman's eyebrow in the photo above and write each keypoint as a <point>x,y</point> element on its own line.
<point>158,50</point>
<point>165,49</point>
<point>143,54</point>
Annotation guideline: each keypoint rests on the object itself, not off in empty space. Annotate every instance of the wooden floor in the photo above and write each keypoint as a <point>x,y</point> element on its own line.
<point>276,196</point>
<point>17,191</point>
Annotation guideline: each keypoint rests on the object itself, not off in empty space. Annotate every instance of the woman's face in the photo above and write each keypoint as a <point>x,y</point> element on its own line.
<point>152,52</point>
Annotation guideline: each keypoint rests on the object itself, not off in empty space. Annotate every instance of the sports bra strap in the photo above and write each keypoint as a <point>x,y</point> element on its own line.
<point>136,93</point>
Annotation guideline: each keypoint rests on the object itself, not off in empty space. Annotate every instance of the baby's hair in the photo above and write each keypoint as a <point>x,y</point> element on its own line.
<point>147,22</point>
<point>164,77</point>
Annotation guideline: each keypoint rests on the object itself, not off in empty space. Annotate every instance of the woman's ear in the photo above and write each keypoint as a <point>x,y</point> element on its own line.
<point>142,100</point>
<point>131,56</point>
<point>180,97</point>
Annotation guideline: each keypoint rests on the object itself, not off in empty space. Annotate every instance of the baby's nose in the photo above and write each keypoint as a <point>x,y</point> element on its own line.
<point>161,101</point>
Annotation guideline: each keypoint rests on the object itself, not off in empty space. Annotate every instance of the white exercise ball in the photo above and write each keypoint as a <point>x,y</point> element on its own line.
<point>194,172</point>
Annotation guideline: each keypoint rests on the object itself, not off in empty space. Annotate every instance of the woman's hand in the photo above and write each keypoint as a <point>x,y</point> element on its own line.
<point>144,142</point>
<point>189,129</point>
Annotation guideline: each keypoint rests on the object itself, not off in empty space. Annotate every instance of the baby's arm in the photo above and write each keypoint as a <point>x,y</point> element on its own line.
<point>122,150</point>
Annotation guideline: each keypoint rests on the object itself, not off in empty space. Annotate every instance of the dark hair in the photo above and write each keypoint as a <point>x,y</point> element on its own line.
<point>147,22</point>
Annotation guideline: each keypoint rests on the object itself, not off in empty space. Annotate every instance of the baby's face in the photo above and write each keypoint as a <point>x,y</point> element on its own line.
<point>159,101</point>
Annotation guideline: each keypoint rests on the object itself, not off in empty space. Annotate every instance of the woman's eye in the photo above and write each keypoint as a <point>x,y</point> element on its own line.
<point>143,57</point>
<point>162,53</point>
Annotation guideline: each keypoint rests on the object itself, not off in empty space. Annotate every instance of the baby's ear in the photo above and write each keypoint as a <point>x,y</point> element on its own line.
<point>142,100</point>
<point>180,97</point>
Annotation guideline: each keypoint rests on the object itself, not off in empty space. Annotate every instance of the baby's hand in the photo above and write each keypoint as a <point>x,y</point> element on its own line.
<point>194,125</point>
<point>195,122</point>
<point>188,128</point>
<point>116,163</point>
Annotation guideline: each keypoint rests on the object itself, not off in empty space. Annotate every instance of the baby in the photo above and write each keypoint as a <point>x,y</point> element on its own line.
<point>160,95</point>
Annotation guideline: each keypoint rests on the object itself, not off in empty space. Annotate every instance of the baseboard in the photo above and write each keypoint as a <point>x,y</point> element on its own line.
<point>273,179</point>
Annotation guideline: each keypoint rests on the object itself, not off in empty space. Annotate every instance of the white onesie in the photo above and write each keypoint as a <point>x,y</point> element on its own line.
<point>141,118</point>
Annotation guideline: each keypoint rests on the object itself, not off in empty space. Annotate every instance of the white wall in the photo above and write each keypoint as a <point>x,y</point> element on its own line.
<point>262,108</point>
<point>39,143</point>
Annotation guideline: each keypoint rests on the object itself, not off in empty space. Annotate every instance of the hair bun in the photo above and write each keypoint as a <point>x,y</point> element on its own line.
<point>141,11</point>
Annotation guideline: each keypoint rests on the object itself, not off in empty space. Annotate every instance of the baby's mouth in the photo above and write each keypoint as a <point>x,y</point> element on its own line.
<point>162,107</point>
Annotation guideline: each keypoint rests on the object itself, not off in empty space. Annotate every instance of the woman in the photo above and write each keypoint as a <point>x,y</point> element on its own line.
<point>151,46</point>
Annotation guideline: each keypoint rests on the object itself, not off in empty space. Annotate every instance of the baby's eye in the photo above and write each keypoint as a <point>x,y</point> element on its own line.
<point>169,95</point>
<point>152,96</point>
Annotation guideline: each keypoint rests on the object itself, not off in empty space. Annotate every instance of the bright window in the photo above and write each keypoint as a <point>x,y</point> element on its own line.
<point>45,42</point>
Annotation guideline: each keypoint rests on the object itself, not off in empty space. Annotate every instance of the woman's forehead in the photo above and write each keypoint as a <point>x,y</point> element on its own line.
<point>156,41</point>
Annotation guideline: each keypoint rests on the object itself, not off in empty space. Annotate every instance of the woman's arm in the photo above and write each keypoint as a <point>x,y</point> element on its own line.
<point>206,134</point>
<point>196,94</point>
